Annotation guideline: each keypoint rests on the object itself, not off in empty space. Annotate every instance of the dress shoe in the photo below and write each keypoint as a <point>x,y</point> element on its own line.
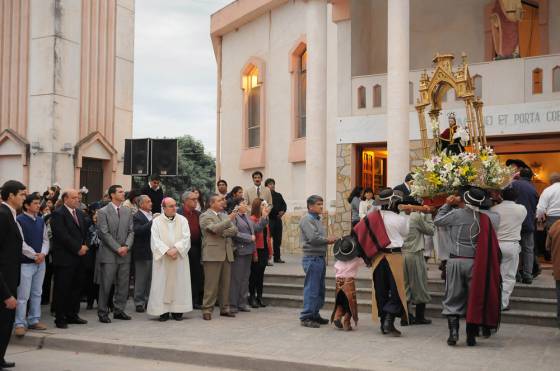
<point>76,321</point>
<point>420,315</point>
<point>38,326</point>
<point>164,317</point>
<point>104,318</point>
<point>389,325</point>
<point>207,316</point>
<point>4,364</point>
<point>121,315</point>
<point>197,306</point>
<point>61,324</point>
<point>261,303</point>
<point>140,309</point>
<point>310,323</point>
<point>253,303</point>
<point>279,261</point>
<point>320,320</point>
<point>177,316</point>
<point>227,314</point>
<point>527,280</point>
<point>244,309</point>
<point>20,331</point>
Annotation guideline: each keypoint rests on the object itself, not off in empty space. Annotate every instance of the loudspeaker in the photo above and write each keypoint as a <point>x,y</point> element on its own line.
<point>164,157</point>
<point>137,157</point>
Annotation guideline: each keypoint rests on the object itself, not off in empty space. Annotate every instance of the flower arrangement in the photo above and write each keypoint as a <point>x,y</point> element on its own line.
<point>444,174</point>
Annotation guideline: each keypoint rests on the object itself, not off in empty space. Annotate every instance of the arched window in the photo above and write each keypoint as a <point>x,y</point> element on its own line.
<point>252,100</point>
<point>301,94</point>
<point>361,97</point>
<point>537,81</point>
<point>477,82</point>
<point>556,79</point>
<point>377,95</point>
<point>410,92</point>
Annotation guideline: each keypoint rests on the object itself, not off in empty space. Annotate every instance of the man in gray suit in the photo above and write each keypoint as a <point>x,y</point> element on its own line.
<point>116,235</point>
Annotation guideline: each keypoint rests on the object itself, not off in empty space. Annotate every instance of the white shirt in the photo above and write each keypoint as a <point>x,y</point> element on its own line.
<point>147,214</point>
<point>27,250</point>
<point>116,208</point>
<point>512,216</point>
<point>366,206</point>
<point>549,202</point>
<point>396,226</point>
<point>70,210</point>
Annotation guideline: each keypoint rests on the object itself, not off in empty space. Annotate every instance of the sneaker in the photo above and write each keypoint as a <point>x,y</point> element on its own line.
<point>38,326</point>
<point>310,323</point>
<point>20,331</point>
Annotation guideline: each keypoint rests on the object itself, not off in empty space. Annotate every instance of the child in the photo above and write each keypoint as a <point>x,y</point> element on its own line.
<point>347,254</point>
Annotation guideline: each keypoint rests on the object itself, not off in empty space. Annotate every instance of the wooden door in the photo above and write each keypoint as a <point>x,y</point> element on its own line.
<point>91,176</point>
<point>367,169</point>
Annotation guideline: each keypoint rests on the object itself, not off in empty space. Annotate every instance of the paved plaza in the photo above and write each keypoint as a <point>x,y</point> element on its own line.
<point>272,339</point>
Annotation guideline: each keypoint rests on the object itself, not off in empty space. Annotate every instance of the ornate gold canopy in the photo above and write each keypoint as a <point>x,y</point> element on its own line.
<point>434,88</point>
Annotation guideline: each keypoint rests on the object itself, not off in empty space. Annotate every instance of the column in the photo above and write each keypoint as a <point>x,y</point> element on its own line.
<point>398,137</point>
<point>315,153</point>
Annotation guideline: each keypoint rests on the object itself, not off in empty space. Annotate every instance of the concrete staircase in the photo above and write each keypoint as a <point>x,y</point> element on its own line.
<point>530,304</point>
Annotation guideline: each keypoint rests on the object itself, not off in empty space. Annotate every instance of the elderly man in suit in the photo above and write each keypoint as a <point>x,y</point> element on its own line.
<point>217,255</point>
<point>117,235</point>
<point>142,252</point>
<point>69,236</point>
<point>11,243</point>
<point>257,190</point>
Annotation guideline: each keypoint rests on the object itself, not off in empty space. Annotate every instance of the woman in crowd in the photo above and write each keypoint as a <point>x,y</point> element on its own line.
<point>244,249</point>
<point>367,203</point>
<point>354,200</point>
<point>130,201</point>
<point>262,254</point>
<point>200,199</point>
<point>233,198</point>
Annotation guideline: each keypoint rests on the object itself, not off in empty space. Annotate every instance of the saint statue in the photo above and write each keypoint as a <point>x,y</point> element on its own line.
<point>450,139</point>
<point>504,21</point>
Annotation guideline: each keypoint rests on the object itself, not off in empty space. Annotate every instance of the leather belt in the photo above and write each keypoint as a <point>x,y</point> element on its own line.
<point>460,257</point>
<point>394,250</point>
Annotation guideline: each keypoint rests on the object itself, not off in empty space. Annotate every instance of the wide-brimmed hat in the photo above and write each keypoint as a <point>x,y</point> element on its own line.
<point>475,197</point>
<point>346,248</point>
<point>388,195</point>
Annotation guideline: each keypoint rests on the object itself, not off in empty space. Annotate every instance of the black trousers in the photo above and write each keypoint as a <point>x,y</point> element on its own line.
<point>46,295</point>
<point>276,233</point>
<point>386,292</point>
<point>7,318</point>
<point>256,280</point>
<point>197,274</point>
<point>68,285</point>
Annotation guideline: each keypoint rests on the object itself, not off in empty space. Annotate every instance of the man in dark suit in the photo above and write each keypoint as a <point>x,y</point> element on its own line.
<point>142,252</point>
<point>155,193</point>
<point>405,187</point>
<point>11,243</point>
<point>278,210</point>
<point>117,235</point>
<point>69,236</point>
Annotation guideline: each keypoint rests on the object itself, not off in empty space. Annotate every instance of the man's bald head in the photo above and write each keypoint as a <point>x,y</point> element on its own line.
<point>71,198</point>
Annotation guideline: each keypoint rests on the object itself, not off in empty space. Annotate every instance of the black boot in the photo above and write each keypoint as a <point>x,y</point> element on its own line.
<point>453,324</point>
<point>420,319</point>
<point>260,302</point>
<point>472,331</point>
<point>382,324</point>
<point>252,302</point>
<point>389,325</point>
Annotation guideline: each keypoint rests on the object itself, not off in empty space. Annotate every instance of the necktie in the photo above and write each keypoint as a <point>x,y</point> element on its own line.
<point>75,217</point>
<point>119,212</point>
<point>259,192</point>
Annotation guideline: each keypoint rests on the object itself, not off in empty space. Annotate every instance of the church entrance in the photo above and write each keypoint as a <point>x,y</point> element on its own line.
<point>371,169</point>
<point>91,176</point>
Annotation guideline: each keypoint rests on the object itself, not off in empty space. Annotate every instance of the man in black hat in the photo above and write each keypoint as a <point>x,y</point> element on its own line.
<point>461,216</point>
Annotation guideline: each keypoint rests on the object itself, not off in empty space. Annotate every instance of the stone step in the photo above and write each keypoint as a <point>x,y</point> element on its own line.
<point>535,318</point>
<point>521,290</point>
<point>516,303</point>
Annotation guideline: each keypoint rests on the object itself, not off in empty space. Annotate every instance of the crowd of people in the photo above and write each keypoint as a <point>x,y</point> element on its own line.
<point>194,254</point>
<point>56,249</point>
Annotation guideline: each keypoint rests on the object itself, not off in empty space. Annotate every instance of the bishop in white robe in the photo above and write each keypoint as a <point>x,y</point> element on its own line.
<point>170,292</point>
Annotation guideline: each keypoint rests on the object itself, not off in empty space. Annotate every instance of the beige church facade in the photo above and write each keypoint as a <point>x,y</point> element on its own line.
<point>320,94</point>
<point>66,92</point>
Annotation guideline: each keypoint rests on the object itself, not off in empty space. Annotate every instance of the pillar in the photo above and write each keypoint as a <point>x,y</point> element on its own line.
<point>398,136</point>
<point>315,147</point>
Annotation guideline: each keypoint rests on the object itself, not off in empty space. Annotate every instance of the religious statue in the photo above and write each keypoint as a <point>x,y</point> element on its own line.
<point>504,21</point>
<point>450,140</point>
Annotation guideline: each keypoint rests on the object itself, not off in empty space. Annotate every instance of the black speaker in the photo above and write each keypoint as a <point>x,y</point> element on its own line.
<point>164,157</point>
<point>137,157</point>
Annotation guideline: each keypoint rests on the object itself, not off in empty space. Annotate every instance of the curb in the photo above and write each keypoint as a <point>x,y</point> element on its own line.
<point>184,356</point>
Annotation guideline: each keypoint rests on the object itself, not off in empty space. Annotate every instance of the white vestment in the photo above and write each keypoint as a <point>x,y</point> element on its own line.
<point>171,279</point>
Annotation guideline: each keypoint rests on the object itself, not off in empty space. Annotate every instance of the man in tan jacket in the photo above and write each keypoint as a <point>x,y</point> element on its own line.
<point>217,254</point>
<point>257,190</point>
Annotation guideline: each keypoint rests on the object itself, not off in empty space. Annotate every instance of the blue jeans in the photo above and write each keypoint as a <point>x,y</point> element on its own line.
<point>313,287</point>
<point>30,289</point>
